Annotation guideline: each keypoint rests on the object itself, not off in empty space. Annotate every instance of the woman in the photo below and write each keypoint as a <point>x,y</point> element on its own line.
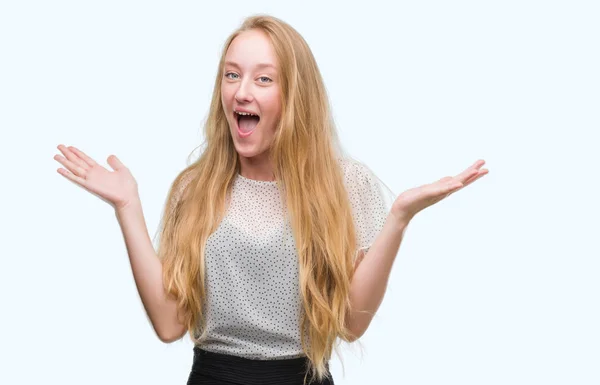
<point>273,244</point>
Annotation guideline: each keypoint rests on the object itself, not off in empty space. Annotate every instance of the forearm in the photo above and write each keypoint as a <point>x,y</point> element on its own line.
<point>371,276</point>
<point>147,273</point>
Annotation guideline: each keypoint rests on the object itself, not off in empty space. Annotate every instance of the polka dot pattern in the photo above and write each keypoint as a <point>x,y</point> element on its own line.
<point>253,302</point>
<point>369,205</point>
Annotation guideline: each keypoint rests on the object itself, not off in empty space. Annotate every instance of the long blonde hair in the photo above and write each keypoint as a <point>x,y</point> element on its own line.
<point>305,155</point>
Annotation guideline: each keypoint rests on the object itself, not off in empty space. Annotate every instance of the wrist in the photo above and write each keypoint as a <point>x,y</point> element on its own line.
<point>400,219</point>
<point>133,205</point>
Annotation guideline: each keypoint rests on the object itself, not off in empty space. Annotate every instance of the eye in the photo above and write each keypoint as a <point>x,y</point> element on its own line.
<point>231,73</point>
<point>264,79</point>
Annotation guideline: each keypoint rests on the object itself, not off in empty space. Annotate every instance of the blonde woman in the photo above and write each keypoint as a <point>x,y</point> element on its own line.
<point>273,245</point>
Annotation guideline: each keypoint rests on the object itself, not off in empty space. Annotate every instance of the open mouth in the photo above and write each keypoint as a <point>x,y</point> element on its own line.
<point>246,122</point>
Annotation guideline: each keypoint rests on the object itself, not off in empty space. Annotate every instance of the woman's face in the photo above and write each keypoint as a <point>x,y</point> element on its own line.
<point>250,93</point>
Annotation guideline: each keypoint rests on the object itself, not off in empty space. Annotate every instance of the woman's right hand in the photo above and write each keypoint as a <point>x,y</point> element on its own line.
<point>118,187</point>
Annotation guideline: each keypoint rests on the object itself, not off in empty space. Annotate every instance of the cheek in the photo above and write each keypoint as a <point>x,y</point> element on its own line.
<point>226,97</point>
<point>274,102</point>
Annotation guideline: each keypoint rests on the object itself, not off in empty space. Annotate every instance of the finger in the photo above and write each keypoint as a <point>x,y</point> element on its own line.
<point>115,163</point>
<point>72,167</point>
<point>443,188</point>
<point>481,173</point>
<point>470,175</point>
<point>72,157</point>
<point>478,163</point>
<point>72,177</point>
<point>83,156</point>
<point>467,174</point>
<point>470,171</point>
<point>453,186</point>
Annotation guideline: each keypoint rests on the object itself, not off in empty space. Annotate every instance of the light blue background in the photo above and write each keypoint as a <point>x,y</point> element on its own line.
<point>498,284</point>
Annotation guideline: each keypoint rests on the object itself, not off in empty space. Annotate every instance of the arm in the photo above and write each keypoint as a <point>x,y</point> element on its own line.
<point>119,188</point>
<point>372,274</point>
<point>147,273</point>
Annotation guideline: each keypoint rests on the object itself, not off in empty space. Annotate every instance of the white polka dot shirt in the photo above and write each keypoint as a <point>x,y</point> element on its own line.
<point>253,297</point>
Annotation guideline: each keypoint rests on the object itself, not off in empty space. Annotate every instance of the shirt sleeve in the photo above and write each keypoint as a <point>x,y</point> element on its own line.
<point>370,207</point>
<point>178,190</point>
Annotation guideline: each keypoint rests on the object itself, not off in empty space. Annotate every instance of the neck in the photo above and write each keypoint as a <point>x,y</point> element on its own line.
<point>257,168</point>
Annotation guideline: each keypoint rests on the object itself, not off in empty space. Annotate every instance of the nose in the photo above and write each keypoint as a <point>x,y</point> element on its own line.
<point>244,92</point>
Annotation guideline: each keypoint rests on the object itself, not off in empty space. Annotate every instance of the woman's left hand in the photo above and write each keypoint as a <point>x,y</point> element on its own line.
<point>412,201</point>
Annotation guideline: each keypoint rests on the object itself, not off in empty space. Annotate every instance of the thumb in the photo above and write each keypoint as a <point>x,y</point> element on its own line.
<point>115,163</point>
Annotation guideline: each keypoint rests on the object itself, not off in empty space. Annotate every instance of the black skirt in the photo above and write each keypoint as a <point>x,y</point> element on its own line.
<point>210,368</point>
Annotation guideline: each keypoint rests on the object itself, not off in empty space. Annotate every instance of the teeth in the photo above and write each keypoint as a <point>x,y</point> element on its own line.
<point>245,113</point>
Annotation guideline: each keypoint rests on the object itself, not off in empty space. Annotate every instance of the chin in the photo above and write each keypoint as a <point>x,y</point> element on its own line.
<point>250,151</point>
<point>246,150</point>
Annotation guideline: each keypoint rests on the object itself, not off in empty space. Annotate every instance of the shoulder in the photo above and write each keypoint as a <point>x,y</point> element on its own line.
<point>181,182</point>
<point>364,185</point>
<point>185,178</point>
<point>356,172</point>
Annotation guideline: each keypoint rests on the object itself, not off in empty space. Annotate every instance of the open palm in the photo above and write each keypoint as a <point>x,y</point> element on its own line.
<point>412,201</point>
<point>117,187</point>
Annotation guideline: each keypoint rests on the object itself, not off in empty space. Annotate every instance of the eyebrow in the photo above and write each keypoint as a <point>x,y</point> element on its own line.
<point>259,65</point>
